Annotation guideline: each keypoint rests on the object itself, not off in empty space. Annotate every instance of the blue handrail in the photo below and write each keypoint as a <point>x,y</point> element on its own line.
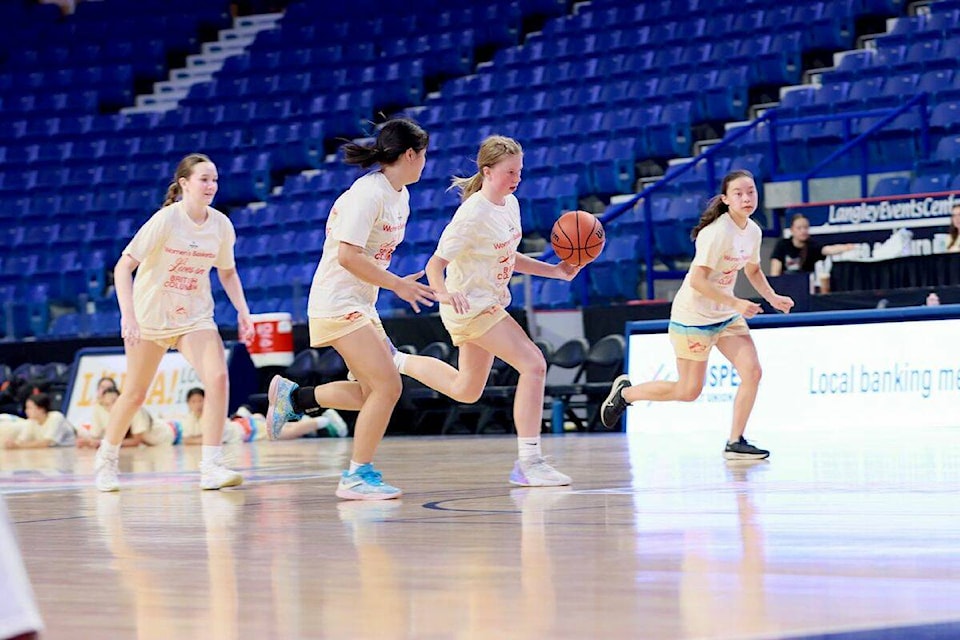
<point>771,116</point>
<point>920,100</point>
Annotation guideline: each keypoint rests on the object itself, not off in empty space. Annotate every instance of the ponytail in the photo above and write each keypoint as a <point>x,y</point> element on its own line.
<point>467,186</point>
<point>492,150</point>
<point>717,207</point>
<point>184,170</point>
<point>173,193</point>
<point>393,140</point>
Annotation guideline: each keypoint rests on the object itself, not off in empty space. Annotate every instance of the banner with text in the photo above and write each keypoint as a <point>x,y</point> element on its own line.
<point>166,397</point>
<point>873,214</point>
<point>889,375</point>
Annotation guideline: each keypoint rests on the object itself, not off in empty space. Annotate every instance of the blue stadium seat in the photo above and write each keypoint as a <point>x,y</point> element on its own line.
<point>930,183</point>
<point>891,187</point>
<point>65,325</point>
<point>554,294</point>
<point>945,118</point>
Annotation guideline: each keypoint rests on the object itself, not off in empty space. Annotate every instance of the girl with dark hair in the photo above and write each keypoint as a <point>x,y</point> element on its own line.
<point>169,305</point>
<point>365,226</point>
<point>706,313</point>
<point>43,428</point>
<point>800,254</point>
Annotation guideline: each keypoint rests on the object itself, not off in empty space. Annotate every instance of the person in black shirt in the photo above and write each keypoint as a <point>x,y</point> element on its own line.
<point>799,253</point>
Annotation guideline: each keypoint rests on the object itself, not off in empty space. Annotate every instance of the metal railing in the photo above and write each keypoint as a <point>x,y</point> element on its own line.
<point>772,117</point>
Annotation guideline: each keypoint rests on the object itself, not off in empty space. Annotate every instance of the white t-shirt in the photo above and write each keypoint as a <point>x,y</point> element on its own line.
<point>480,243</point>
<point>171,292</point>
<point>55,428</point>
<point>725,248</point>
<point>373,215</point>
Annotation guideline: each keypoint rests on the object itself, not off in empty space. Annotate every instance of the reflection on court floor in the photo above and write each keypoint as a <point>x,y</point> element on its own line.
<point>658,537</point>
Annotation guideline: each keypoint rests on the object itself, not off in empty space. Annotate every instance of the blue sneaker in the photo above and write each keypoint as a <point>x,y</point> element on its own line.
<point>366,483</point>
<point>280,411</point>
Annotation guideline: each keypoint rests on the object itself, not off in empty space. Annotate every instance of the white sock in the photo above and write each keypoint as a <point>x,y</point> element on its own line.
<point>209,453</point>
<point>109,450</point>
<point>528,447</point>
<point>356,465</point>
<point>400,359</point>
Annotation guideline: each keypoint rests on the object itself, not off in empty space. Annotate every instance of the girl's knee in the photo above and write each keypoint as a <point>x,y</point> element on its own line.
<point>389,387</point>
<point>134,396</point>
<point>689,394</point>
<point>534,365</point>
<point>750,374</point>
<point>218,381</point>
<point>469,393</point>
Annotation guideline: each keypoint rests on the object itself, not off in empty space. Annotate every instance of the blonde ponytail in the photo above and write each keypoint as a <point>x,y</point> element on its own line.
<point>492,150</point>
<point>467,186</point>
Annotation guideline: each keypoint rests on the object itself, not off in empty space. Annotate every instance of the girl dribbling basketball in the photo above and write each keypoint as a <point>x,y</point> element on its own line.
<point>705,313</point>
<point>470,272</point>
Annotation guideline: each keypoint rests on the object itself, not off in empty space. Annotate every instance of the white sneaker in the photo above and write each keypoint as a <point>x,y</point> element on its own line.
<point>214,475</point>
<point>535,472</point>
<point>105,468</point>
<point>338,426</point>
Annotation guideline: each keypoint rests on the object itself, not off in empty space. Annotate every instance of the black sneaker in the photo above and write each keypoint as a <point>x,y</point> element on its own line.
<point>743,450</point>
<point>614,406</point>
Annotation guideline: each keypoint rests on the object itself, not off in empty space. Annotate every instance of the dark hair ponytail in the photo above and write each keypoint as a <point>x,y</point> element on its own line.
<point>717,207</point>
<point>393,140</point>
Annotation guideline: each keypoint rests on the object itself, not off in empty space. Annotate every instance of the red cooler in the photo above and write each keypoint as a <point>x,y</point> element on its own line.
<point>272,344</point>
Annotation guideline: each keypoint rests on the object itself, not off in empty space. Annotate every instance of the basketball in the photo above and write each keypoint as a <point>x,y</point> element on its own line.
<point>577,238</point>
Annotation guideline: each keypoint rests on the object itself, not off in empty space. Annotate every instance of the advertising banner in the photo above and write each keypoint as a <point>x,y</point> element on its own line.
<point>877,375</point>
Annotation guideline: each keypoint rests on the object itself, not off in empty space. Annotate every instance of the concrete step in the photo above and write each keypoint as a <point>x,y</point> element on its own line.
<point>171,98</point>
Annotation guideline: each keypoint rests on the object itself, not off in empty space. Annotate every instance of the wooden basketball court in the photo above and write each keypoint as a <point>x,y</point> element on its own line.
<point>658,537</point>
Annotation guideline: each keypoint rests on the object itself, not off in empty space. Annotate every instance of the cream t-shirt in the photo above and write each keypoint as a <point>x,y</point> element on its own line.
<point>480,244</point>
<point>373,215</point>
<point>725,248</point>
<point>55,428</point>
<point>154,430</point>
<point>171,291</point>
<point>232,432</point>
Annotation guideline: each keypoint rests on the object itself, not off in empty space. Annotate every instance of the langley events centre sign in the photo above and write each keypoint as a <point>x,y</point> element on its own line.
<point>875,214</point>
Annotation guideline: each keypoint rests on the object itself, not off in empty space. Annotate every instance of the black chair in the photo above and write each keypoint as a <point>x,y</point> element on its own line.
<point>419,402</point>
<point>571,356</point>
<point>605,361</point>
<point>329,367</point>
<point>496,402</point>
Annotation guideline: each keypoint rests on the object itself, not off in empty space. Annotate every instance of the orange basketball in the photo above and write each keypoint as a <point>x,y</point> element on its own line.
<point>577,238</point>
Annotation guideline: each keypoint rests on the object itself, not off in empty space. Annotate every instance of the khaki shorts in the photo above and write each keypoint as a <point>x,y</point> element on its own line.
<point>169,340</point>
<point>467,329</point>
<point>695,343</point>
<point>324,331</point>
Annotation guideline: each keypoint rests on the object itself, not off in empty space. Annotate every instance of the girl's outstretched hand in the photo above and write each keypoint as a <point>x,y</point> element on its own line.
<point>456,300</point>
<point>415,293</point>
<point>781,303</point>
